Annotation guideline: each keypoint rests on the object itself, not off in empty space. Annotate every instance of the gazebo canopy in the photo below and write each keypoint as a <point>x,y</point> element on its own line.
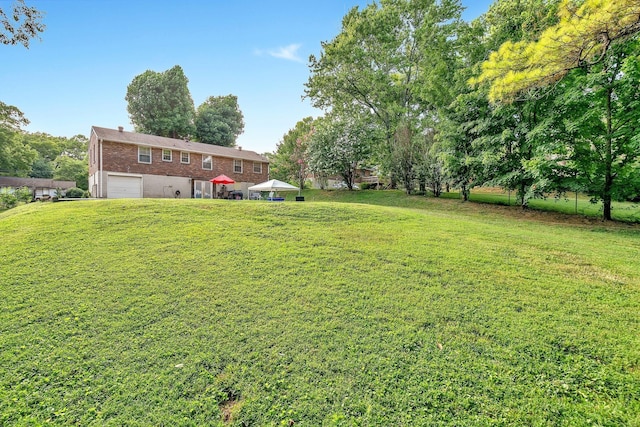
<point>273,185</point>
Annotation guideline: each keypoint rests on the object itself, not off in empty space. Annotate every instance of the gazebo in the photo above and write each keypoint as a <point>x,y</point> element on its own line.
<point>273,186</point>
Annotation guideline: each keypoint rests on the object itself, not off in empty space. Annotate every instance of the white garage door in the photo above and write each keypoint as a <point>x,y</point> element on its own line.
<point>120,187</point>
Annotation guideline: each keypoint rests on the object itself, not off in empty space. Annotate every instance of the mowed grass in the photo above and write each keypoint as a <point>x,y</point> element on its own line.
<point>187,312</point>
<point>568,204</point>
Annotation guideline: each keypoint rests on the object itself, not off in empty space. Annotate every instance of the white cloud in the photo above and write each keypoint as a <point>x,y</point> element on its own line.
<point>289,53</point>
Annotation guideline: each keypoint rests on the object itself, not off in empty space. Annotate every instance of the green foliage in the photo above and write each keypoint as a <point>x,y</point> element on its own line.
<point>509,20</point>
<point>366,186</point>
<point>20,25</point>
<point>429,166</point>
<point>47,146</point>
<point>39,155</point>
<point>161,104</point>
<point>24,194</point>
<point>341,144</point>
<point>459,131</point>
<point>584,33</point>
<point>11,118</point>
<point>70,169</point>
<point>41,168</point>
<point>219,121</point>
<point>396,60</point>
<point>568,70</point>
<point>289,162</point>
<point>10,197</point>
<point>315,313</point>
<point>15,157</point>
<point>76,193</point>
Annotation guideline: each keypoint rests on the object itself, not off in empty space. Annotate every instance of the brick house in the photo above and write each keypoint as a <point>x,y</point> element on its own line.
<point>127,164</point>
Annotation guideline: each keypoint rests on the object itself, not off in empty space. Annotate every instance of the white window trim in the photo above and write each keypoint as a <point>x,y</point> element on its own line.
<point>204,157</point>
<point>182,153</point>
<point>150,154</point>
<point>259,164</point>
<point>241,165</point>
<point>170,159</point>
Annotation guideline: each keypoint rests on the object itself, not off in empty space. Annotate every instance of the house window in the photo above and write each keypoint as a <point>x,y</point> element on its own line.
<point>237,166</point>
<point>184,157</point>
<point>257,167</point>
<point>207,162</point>
<point>166,155</point>
<point>144,155</point>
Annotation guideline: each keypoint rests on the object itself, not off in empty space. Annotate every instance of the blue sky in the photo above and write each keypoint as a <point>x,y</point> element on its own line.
<point>77,75</point>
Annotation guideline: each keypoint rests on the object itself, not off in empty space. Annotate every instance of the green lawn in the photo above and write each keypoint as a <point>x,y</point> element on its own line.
<point>582,206</point>
<point>426,312</point>
<point>621,211</point>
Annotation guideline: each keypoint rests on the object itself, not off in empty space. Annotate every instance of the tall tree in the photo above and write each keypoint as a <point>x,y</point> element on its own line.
<point>342,144</point>
<point>590,37</point>
<point>161,104</point>
<point>289,162</point>
<point>459,122</point>
<point>393,59</point>
<point>20,25</point>
<point>459,130</point>
<point>16,157</point>
<point>492,143</point>
<point>219,121</point>
<point>69,169</point>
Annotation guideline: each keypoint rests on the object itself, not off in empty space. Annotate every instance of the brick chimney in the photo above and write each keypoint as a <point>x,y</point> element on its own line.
<point>120,129</point>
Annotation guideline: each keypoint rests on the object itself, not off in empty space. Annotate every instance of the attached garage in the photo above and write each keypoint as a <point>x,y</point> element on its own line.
<point>124,187</point>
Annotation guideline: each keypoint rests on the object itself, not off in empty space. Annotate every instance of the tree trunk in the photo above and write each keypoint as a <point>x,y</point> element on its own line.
<point>608,158</point>
<point>523,199</point>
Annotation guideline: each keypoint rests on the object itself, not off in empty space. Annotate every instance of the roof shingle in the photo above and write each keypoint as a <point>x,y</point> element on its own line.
<point>125,137</point>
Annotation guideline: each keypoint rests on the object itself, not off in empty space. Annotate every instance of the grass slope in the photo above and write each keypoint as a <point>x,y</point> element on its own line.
<point>185,312</point>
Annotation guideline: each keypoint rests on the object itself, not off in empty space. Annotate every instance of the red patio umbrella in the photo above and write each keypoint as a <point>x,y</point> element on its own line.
<point>222,179</point>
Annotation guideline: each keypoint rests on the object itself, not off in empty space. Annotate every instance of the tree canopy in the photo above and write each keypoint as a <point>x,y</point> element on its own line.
<point>538,97</point>
<point>20,25</point>
<point>586,60</point>
<point>219,121</point>
<point>341,144</point>
<point>289,162</point>
<point>39,155</point>
<point>394,59</point>
<point>582,36</point>
<point>161,104</point>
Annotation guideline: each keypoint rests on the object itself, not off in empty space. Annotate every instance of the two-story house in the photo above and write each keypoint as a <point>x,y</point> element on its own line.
<point>133,165</point>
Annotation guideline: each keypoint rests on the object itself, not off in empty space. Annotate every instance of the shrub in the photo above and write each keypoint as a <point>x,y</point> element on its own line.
<point>8,198</point>
<point>24,194</point>
<point>75,193</point>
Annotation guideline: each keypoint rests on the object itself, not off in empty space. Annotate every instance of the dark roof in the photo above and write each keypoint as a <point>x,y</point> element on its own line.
<point>12,181</point>
<point>125,137</point>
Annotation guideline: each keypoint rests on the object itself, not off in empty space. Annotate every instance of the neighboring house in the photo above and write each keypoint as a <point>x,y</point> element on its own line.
<point>127,164</point>
<point>364,174</point>
<point>42,188</point>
